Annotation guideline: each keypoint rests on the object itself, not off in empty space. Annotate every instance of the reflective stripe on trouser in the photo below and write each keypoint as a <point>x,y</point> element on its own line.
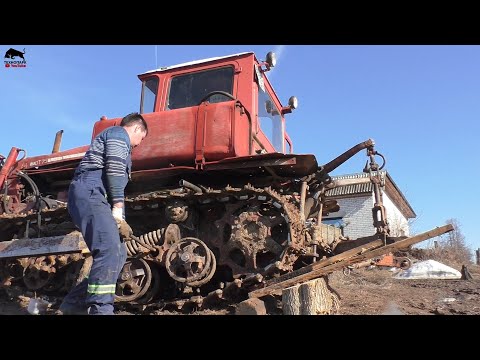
<point>91,212</point>
<point>101,289</point>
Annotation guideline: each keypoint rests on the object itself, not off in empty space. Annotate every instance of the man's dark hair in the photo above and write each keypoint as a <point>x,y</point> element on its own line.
<point>135,118</point>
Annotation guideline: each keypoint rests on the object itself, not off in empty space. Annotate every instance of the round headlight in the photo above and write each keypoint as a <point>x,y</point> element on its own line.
<point>271,59</point>
<point>293,102</point>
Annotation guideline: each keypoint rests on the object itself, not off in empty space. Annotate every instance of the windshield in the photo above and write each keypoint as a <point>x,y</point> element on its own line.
<point>189,89</point>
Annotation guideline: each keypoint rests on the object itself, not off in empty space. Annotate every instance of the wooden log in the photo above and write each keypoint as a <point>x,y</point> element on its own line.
<point>310,298</point>
<point>405,243</point>
<point>251,307</point>
<point>352,256</point>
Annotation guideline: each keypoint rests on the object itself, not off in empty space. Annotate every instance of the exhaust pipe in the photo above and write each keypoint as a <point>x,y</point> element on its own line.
<point>58,141</point>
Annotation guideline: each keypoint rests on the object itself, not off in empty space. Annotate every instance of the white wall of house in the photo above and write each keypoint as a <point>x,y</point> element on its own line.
<point>358,220</point>
<point>397,222</point>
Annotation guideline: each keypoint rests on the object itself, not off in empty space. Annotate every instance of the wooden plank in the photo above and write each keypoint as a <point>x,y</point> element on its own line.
<point>323,263</point>
<point>352,256</point>
<point>405,243</point>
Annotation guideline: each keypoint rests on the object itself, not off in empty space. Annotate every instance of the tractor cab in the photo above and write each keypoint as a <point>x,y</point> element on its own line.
<point>238,80</point>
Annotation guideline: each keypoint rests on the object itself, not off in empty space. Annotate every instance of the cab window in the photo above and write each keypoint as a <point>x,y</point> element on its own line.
<point>149,95</point>
<point>270,120</point>
<point>189,89</point>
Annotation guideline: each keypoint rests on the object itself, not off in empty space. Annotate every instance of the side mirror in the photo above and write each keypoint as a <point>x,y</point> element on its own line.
<point>292,104</point>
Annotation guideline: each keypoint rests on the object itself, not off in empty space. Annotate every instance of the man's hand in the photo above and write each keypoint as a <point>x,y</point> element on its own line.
<point>123,228</point>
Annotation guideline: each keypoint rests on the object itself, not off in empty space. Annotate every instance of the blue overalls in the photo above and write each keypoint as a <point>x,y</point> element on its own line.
<point>92,214</point>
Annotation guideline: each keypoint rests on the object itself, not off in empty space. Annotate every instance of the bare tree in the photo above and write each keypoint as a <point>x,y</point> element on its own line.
<point>399,226</point>
<point>454,244</point>
<point>449,248</point>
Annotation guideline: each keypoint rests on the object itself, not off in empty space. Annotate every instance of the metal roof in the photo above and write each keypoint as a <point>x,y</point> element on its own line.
<point>351,189</point>
<point>165,68</point>
<point>390,188</point>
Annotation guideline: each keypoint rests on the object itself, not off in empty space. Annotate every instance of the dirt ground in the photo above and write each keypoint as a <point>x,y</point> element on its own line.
<point>362,292</point>
<point>376,292</point>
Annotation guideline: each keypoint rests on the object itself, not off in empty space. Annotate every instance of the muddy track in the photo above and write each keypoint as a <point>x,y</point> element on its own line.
<point>233,212</point>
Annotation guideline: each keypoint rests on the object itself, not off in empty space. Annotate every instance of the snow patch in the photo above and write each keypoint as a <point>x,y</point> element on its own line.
<point>429,269</point>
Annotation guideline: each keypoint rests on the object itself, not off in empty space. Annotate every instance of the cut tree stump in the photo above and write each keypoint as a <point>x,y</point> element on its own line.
<point>311,298</point>
<point>465,273</point>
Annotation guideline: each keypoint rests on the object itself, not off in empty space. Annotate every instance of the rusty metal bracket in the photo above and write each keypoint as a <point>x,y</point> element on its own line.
<point>65,244</point>
<point>379,212</point>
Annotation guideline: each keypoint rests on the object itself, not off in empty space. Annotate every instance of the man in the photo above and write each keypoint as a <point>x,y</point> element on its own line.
<point>96,206</point>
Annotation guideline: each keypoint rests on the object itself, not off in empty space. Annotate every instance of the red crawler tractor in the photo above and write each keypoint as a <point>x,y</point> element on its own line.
<point>218,201</point>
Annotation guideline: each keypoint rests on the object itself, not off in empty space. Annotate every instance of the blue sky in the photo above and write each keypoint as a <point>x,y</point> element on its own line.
<point>421,105</point>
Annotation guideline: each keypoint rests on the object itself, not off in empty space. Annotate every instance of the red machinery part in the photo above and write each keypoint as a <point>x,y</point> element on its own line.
<point>8,165</point>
